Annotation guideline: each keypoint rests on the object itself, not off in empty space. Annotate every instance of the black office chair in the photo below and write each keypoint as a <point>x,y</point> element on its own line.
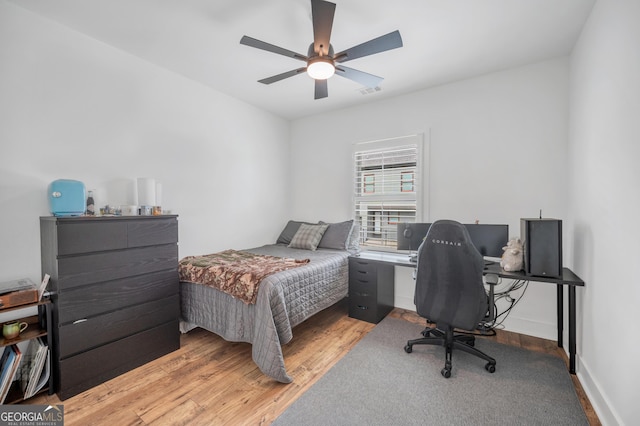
<point>450,291</point>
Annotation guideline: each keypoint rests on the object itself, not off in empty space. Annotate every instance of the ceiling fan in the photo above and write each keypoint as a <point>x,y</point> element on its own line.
<point>321,60</point>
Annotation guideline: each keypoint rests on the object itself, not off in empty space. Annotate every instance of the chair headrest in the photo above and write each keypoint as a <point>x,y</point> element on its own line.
<point>448,233</point>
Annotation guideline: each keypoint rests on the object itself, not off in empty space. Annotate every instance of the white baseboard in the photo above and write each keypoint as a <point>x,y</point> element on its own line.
<point>404,303</point>
<point>598,401</point>
<point>532,328</point>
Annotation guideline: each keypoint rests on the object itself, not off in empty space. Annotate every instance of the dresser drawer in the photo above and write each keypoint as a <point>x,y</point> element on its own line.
<point>96,299</point>
<point>104,234</point>
<point>85,370</point>
<point>152,232</point>
<point>105,266</point>
<point>89,333</point>
<point>87,237</point>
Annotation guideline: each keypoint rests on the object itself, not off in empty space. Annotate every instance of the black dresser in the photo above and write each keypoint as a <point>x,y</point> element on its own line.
<point>114,287</point>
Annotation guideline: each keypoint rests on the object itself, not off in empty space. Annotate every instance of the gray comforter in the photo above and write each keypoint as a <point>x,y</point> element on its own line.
<point>285,299</point>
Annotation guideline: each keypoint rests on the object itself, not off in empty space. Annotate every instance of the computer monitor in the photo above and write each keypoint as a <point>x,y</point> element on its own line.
<point>488,239</point>
<point>410,235</point>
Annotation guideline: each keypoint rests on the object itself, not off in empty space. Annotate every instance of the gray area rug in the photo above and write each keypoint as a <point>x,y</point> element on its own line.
<point>377,383</point>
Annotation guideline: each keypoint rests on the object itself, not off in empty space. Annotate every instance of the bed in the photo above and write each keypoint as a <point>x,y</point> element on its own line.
<point>284,299</point>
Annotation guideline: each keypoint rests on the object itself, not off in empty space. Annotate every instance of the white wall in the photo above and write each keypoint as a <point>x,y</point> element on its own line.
<point>497,154</point>
<point>604,149</point>
<point>72,107</point>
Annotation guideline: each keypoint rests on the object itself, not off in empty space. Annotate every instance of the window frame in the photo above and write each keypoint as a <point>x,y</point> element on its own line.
<point>379,231</point>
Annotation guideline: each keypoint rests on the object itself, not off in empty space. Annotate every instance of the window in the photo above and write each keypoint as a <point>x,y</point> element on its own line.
<point>407,181</point>
<point>369,184</point>
<point>386,188</point>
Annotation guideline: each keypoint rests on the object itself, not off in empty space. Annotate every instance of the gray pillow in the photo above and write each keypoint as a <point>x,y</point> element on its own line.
<point>353,244</point>
<point>308,236</point>
<point>289,231</point>
<point>337,235</point>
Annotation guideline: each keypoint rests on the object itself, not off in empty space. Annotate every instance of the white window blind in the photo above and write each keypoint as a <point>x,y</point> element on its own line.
<point>386,188</point>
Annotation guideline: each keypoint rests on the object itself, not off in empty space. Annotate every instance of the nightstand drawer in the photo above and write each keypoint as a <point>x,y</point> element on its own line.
<point>357,275</point>
<point>360,289</point>
<point>362,267</point>
<point>363,308</point>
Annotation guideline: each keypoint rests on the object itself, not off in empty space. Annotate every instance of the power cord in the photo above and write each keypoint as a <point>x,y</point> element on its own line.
<point>489,328</point>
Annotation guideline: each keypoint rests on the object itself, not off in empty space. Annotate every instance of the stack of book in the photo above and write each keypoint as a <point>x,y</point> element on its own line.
<point>10,361</point>
<point>35,368</point>
<point>31,368</point>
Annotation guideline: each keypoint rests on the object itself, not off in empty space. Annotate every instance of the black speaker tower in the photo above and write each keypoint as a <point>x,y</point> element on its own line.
<point>542,240</point>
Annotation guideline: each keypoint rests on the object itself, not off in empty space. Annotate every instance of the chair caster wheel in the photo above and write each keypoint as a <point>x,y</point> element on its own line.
<point>408,349</point>
<point>491,368</point>
<point>445,373</point>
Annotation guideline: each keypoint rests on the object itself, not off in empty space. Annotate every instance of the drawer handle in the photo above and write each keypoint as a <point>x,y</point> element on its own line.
<point>363,281</point>
<point>364,308</point>
<point>362,294</point>
<point>80,321</point>
<point>362,272</point>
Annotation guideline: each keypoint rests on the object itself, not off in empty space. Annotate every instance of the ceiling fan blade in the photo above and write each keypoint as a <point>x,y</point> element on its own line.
<point>282,76</point>
<point>367,80</point>
<point>321,89</point>
<point>371,47</point>
<point>252,42</point>
<point>322,13</point>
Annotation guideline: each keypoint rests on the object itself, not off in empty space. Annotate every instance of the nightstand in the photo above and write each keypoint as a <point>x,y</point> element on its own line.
<point>371,289</point>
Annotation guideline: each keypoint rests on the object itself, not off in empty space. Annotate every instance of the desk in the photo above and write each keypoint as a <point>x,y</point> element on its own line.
<point>568,279</point>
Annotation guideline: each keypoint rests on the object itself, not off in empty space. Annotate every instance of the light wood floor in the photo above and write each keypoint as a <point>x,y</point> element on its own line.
<point>209,381</point>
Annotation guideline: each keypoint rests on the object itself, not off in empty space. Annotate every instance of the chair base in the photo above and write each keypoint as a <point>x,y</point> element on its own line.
<point>446,338</point>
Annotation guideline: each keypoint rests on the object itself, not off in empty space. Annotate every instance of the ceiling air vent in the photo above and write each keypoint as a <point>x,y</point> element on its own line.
<point>369,90</point>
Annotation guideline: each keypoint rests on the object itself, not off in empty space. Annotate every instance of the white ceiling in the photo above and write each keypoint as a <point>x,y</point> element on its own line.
<point>444,41</point>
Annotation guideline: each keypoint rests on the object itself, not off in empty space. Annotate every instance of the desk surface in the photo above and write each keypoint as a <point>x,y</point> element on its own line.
<point>398,259</point>
<point>401,259</point>
<point>568,277</point>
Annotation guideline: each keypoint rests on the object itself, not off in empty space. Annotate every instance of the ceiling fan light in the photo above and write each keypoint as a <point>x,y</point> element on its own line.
<point>321,68</point>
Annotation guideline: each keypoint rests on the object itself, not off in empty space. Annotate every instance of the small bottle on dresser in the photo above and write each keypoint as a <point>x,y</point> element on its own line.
<point>91,209</point>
